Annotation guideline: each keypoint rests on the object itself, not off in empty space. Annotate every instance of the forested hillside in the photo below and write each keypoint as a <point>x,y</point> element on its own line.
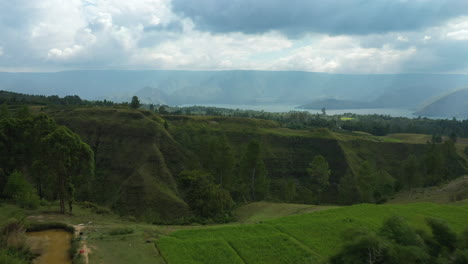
<point>164,168</point>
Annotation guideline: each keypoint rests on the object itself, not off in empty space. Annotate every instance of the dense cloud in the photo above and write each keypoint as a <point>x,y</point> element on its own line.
<point>349,36</point>
<point>295,17</point>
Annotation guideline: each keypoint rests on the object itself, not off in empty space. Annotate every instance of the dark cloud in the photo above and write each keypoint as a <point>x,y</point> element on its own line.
<point>295,17</point>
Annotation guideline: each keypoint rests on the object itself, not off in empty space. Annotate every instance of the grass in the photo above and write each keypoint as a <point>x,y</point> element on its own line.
<point>266,250</point>
<point>261,211</point>
<point>212,251</point>
<point>265,233</point>
<point>411,138</point>
<point>9,211</point>
<point>122,249</point>
<point>121,231</point>
<point>310,237</point>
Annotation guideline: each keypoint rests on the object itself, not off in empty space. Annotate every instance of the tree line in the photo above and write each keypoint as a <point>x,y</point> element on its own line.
<point>378,125</point>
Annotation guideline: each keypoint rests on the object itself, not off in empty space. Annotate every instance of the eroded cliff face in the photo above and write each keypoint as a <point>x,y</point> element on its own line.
<point>136,160</point>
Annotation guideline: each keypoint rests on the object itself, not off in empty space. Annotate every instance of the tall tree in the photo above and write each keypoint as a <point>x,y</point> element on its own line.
<point>253,174</point>
<point>411,172</point>
<point>69,160</point>
<point>366,181</point>
<point>319,173</point>
<point>204,198</point>
<point>348,191</point>
<point>4,113</point>
<point>23,112</point>
<point>218,158</point>
<point>135,103</point>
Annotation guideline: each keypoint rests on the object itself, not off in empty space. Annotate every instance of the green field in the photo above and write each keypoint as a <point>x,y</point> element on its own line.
<point>264,232</point>
<point>305,238</point>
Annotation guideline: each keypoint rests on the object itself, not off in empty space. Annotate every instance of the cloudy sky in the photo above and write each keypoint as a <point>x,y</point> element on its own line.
<point>336,36</point>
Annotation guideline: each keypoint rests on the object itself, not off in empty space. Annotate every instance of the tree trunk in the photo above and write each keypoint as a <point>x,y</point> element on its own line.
<point>70,206</point>
<point>252,185</point>
<point>62,194</point>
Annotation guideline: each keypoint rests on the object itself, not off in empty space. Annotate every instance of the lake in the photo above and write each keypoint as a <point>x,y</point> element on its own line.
<point>286,108</point>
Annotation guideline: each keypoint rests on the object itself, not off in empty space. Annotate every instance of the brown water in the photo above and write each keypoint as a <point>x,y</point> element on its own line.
<point>53,245</point>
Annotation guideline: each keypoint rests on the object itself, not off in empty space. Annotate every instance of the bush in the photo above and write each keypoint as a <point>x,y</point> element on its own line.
<point>34,227</point>
<point>395,228</point>
<point>21,191</point>
<point>461,194</point>
<point>442,234</point>
<point>14,256</point>
<point>29,200</point>
<point>102,210</point>
<point>12,234</point>
<point>88,205</point>
<point>121,231</point>
<point>95,208</point>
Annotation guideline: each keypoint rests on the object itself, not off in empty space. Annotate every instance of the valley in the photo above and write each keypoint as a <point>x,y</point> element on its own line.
<point>175,188</point>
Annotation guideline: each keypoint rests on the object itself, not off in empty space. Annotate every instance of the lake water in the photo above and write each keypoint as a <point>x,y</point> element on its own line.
<point>286,108</point>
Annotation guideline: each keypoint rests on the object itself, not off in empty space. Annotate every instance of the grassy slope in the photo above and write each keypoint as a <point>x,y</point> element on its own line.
<point>442,194</point>
<point>261,211</point>
<point>422,139</point>
<point>297,238</point>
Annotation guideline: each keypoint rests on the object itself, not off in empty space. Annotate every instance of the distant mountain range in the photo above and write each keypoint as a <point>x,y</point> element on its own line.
<point>454,104</point>
<point>311,90</point>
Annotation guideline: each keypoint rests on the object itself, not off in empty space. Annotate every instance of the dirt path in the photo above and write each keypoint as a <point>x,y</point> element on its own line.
<point>84,246</point>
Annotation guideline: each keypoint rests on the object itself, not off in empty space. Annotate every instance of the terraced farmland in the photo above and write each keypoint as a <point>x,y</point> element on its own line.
<point>306,238</point>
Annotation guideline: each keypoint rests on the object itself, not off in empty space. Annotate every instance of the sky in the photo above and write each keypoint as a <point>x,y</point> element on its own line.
<point>334,36</point>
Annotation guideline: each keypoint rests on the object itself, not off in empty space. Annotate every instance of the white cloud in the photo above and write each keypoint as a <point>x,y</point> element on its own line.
<point>344,55</point>
<point>195,50</point>
<point>402,38</point>
<point>140,34</point>
<point>65,53</point>
<point>458,35</point>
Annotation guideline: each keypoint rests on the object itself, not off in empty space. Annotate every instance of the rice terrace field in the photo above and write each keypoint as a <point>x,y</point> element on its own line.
<point>304,238</point>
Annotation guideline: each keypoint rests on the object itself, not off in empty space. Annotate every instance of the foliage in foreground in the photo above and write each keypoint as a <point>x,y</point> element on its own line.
<point>13,249</point>
<point>397,242</point>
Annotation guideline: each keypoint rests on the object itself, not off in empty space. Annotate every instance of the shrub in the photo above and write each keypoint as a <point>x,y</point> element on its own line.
<point>21,191</point>
<point>121,231</point>
<point>95,208</point>
<point>34,227</point>
<point>14,256</point>
<point>395,228</point>
<point>442,233</point>
<point>29,199</point>
<point>12,234</point>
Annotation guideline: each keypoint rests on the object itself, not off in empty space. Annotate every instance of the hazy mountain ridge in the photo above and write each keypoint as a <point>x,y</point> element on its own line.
<point>454,104</point>
<point>237,87</point>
